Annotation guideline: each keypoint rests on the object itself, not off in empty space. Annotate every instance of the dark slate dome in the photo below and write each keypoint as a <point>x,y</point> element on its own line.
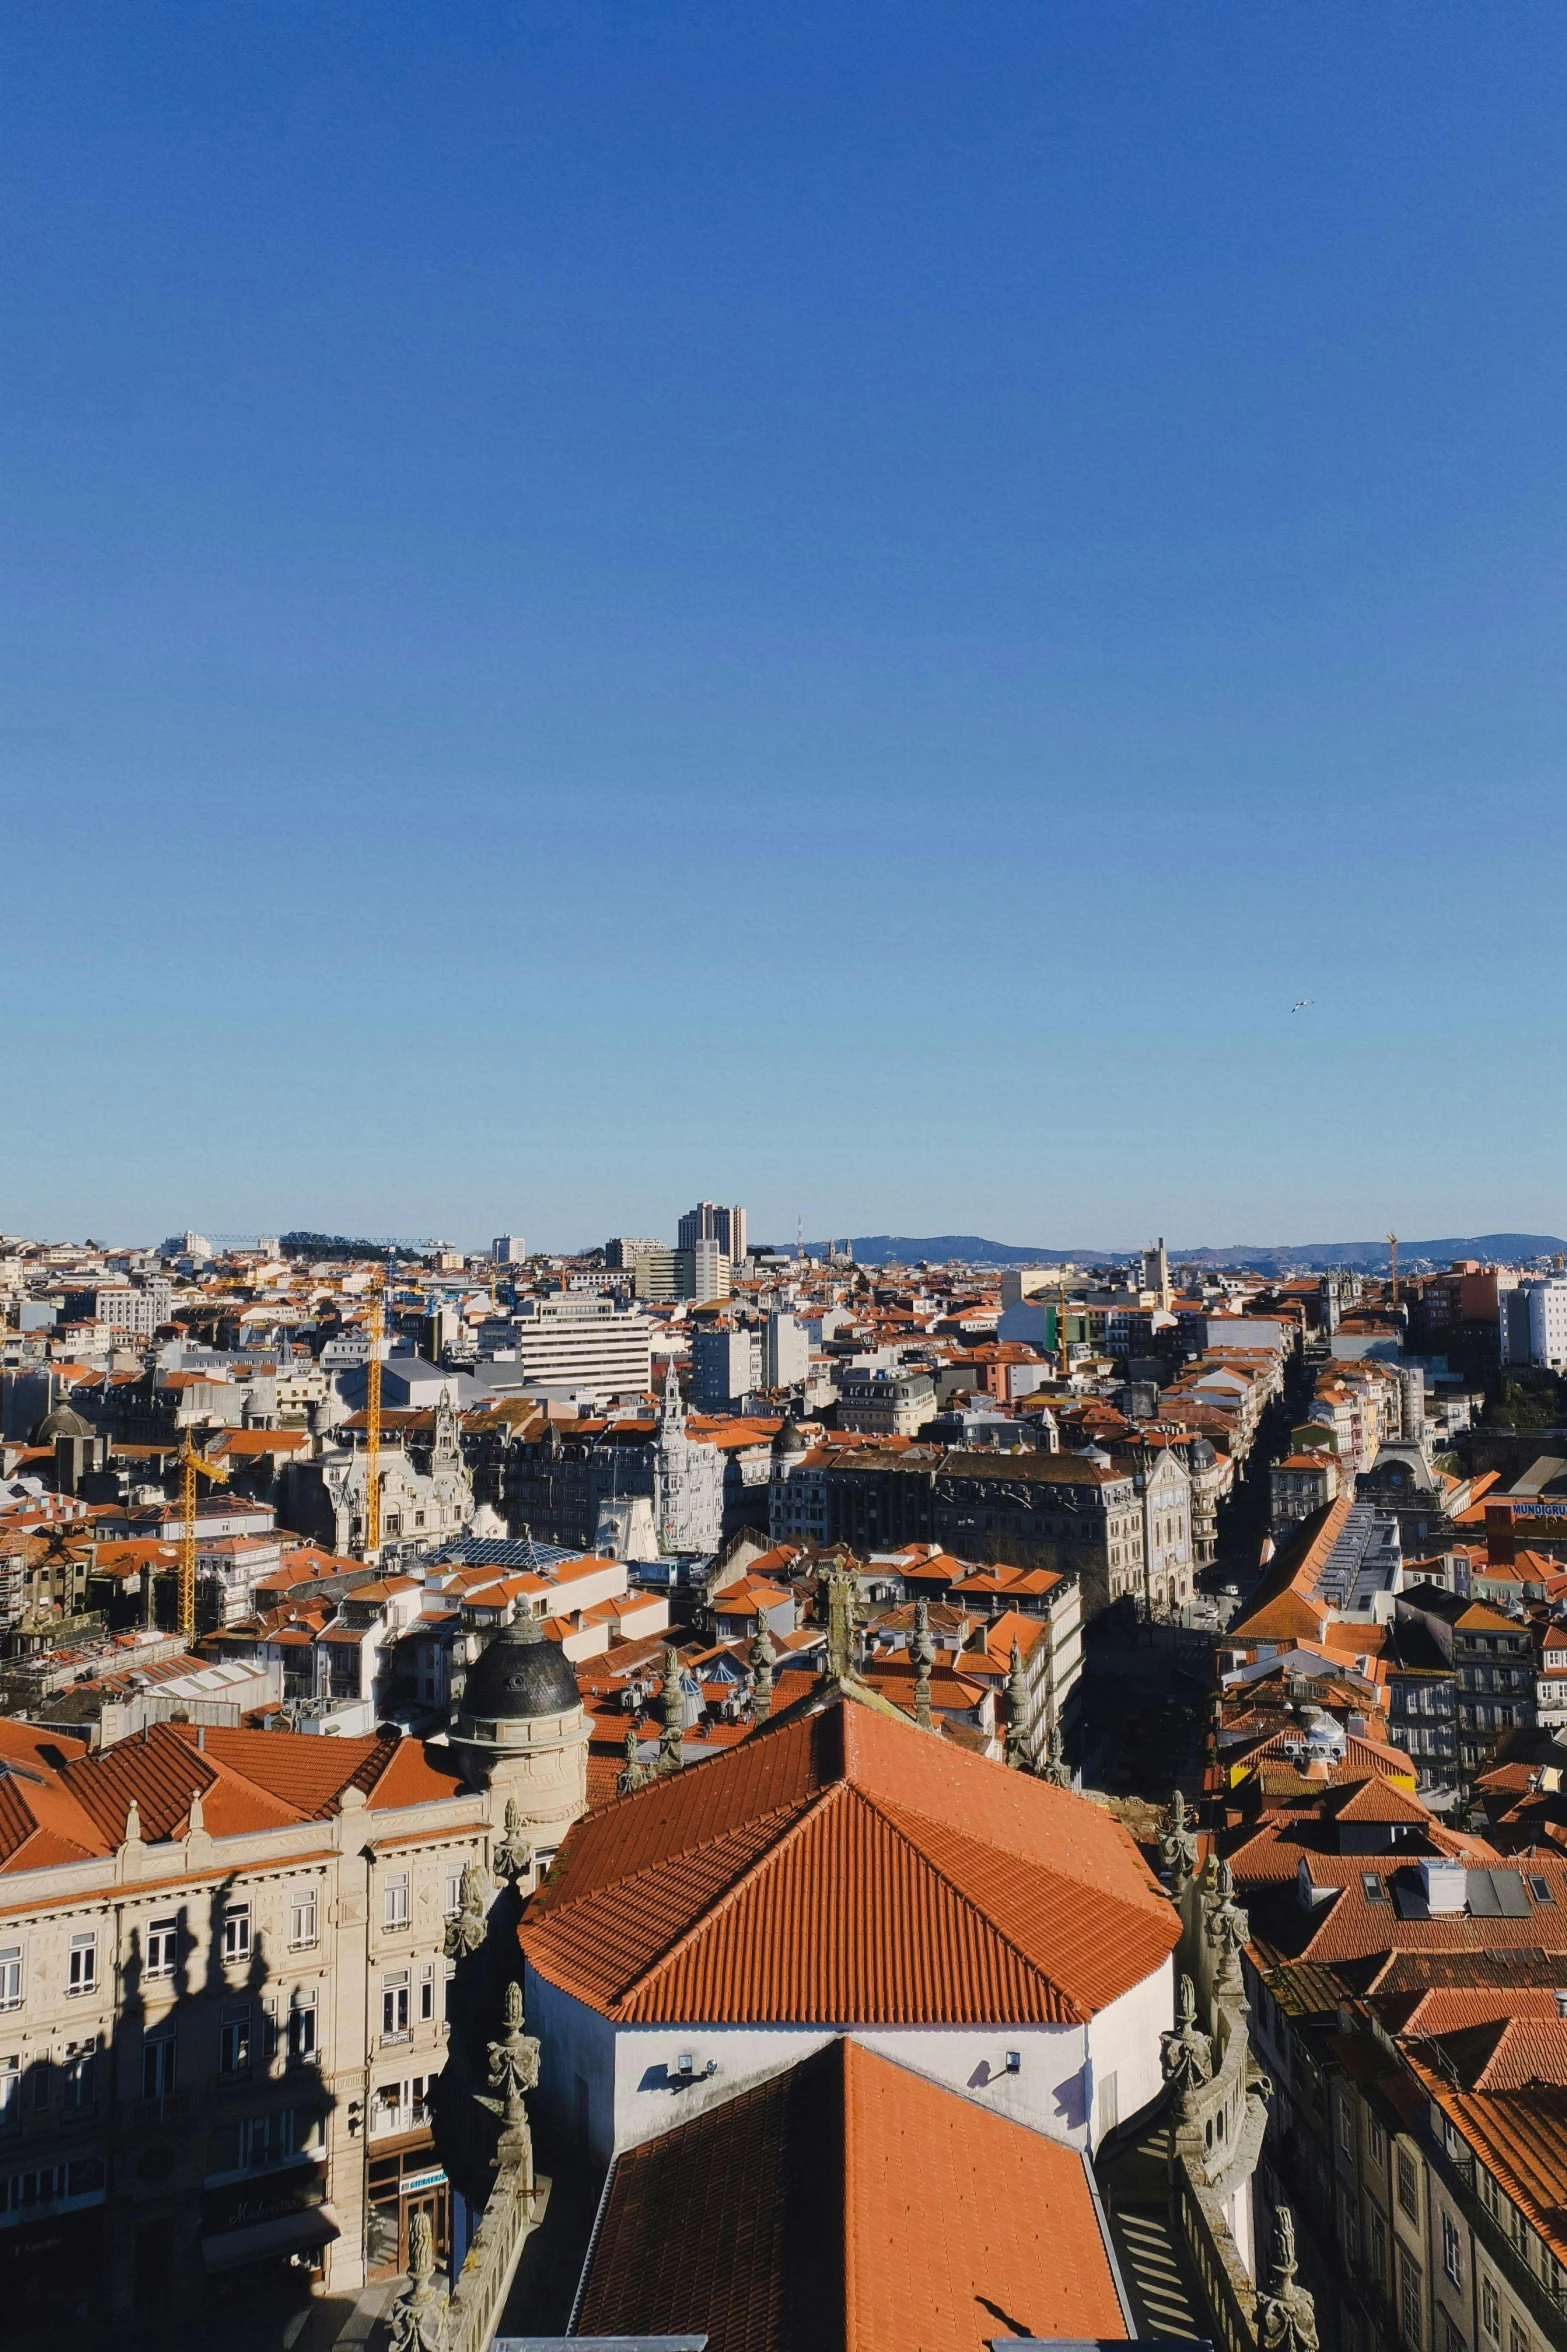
<point>62,1422</point>
<point>1201,1455</point>
<point>521,1673</point>
<point>791,1439</point>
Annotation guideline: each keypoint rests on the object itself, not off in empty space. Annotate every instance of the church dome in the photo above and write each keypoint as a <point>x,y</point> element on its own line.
<point>790,1439</point>
<point>61,1422</point>
<point>522,1673</point>
<point>1200,1455</point>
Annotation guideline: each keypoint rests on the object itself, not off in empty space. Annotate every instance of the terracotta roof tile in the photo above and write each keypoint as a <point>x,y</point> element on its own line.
<point>848,2202</point>
<point>846,1866</point>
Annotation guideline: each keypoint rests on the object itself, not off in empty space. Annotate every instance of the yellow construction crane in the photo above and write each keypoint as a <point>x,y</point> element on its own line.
<point>191,1462</point>
<point>373,1423</point>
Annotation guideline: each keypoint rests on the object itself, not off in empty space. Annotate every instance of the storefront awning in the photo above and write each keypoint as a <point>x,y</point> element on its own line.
<point>288,2233</point>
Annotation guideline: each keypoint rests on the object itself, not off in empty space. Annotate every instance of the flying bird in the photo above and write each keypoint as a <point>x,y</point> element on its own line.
<point>1300,1004</point>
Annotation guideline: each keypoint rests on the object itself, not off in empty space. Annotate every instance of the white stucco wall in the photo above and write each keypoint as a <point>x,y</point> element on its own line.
<point>1046,2092</point>
<point>632,2088</point>
<point>1123,2040</point>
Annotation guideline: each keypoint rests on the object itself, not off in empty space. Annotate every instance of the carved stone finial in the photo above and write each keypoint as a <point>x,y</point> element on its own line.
<point>1019,1754</point>
<point>1055,1768</point>
<point>1228,1928</point>
<point>198,1819</point>
<point>922,1653</point>
<point>1187,2052</point>
<point>1286,2318</point>
<point>465,1933</point>
<point>132,1824</point>
<point>842,1581</point>
<point>513,1852</point>
<point>514,2070</point>
<point>633,1774</point>
<point>417,2320</point>
<point>671,1740</point>
<point>761,1664</point>
<point>1178,1846</point>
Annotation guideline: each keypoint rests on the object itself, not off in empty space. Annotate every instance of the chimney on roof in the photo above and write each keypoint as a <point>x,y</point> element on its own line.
<point>1561,2000</point>
<point>1501,1548</point>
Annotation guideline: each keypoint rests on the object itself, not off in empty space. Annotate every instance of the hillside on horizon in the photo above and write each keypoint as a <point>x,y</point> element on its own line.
<point>1369,1257</point>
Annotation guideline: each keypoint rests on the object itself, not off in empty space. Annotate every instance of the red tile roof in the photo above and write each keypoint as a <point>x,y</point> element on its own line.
<point>850,2203</point>
<point>73,1805</point>
<point>845,1866</point>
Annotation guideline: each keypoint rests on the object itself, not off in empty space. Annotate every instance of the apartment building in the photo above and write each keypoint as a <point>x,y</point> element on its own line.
<point>1076,1513</point>
<point>1164,1492</point>
<point>1491,1659</point>
<point>886,1403</point>
<point>224,1957</point>
<point>1532,1323</point>
<point>1411,2019</point>
<point>580,1341</point>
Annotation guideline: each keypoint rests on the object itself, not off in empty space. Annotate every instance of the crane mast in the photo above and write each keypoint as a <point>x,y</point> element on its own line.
<point>1392,1260</point>
<point>185,1591</point>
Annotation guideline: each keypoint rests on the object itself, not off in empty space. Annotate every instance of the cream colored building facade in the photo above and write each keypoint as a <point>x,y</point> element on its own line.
<point>217,2050</point>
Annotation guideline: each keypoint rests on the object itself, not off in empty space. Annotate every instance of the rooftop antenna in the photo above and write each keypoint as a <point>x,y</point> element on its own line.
<point>1392,1259</point>
<point>799,1237</point>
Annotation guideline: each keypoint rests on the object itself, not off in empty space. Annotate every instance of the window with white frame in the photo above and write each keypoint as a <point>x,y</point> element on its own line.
<point>10,2092</point>
<point>81,1973</point>
<point>1452,2251</point>
<point>1490,2310</point>
<point>1411,2306</point>
<point>10,1976</point>
<point>394,2006</point>
<point>302,1929</point>
<point>400,2106</point>
<point>454,1891</point>
<point>80,2073</point>
<point>395,1911</point>
<point>234,2039</point>
<point>302,2026</point>
<point>267,2139</point>
<point>427,1992</point>
<point>163,1944</point>
<point>236,1933</point>
<point>158,2052</point>
<point>1408,2185</point>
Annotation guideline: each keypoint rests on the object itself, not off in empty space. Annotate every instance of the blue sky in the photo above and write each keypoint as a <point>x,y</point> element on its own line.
<point>830,607</point>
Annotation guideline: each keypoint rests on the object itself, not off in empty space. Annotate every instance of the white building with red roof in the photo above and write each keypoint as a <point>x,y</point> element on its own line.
<point>845,1872</point>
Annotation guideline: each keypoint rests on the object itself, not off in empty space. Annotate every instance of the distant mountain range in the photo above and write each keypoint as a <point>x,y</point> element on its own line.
<point>1367,1257</point>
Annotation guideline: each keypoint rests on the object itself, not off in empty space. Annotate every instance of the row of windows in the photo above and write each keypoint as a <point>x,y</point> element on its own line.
<point>78,2075</point>
<point>48,2184</point>
<point>294,2033</point>
<point>162,1945</point>
<point>1407,2189</point>
<point>161,1952</point>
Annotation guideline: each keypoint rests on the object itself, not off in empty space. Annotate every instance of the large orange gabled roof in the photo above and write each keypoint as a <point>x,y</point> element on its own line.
<point>848,2205</point>
<point>847,1868</point>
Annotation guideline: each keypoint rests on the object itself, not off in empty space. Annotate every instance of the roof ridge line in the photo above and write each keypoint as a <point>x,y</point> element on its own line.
<point>1079,2015</point>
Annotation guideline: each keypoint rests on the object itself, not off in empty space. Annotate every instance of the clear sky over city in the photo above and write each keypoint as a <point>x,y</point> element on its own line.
<point>831,607</point>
